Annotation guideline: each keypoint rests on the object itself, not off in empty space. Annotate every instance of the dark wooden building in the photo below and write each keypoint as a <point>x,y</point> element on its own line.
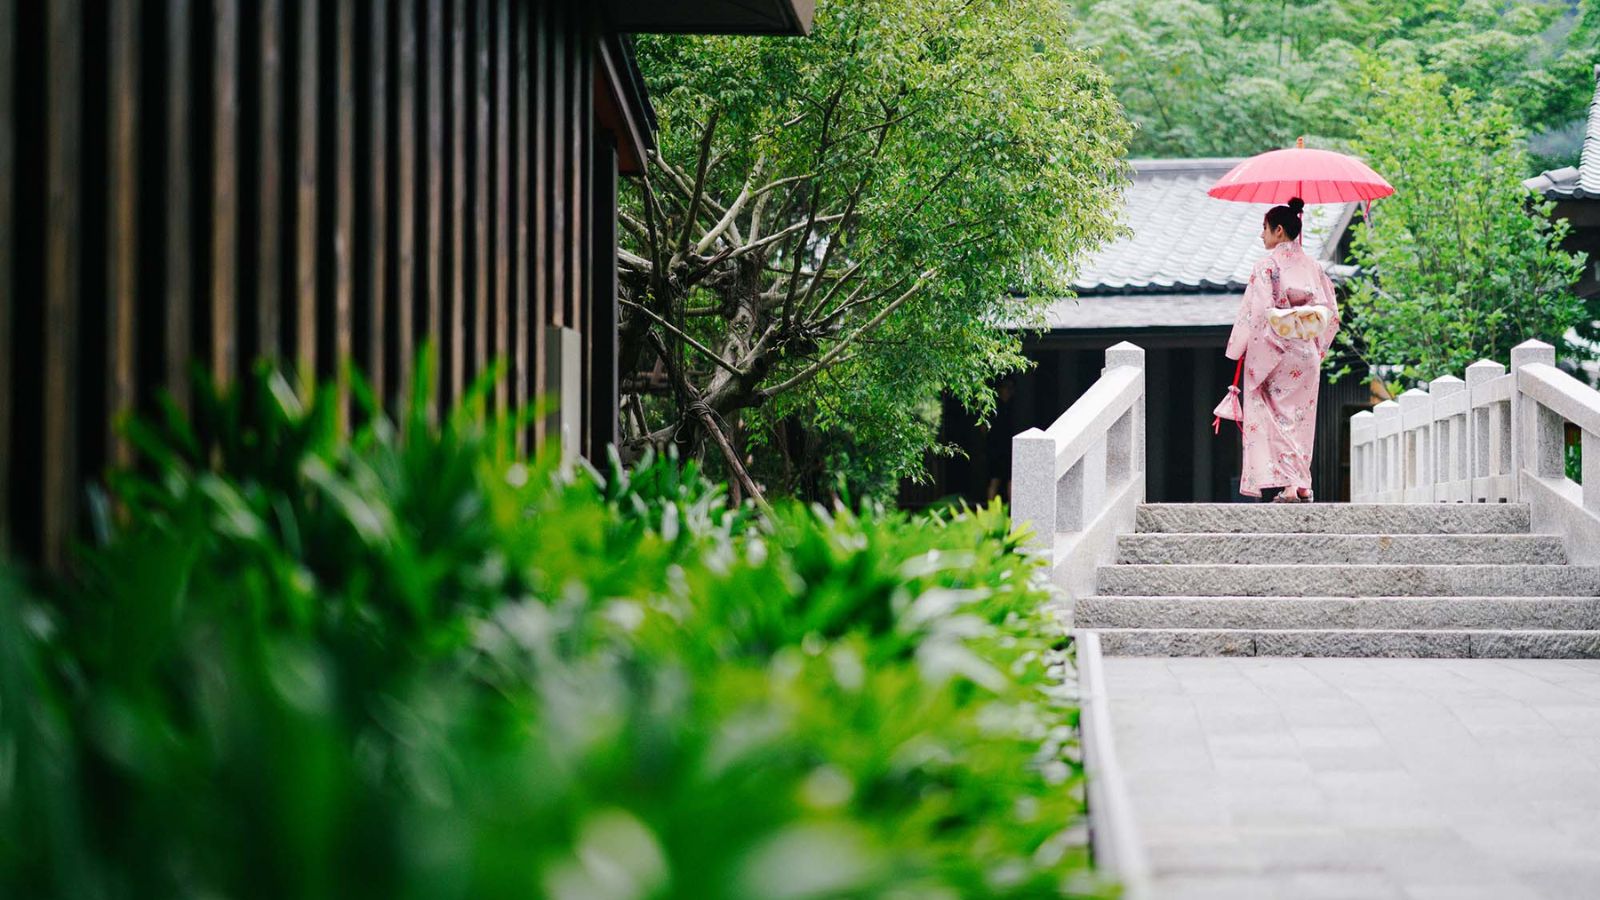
<point>216,181</point>
<point>1576,192</point>
<point>1172,285</point>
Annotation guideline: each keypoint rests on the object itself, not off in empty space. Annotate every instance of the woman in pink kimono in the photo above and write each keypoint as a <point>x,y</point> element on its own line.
<point>1285,326</point>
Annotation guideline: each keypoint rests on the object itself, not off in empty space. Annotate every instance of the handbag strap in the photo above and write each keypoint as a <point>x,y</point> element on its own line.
<point>1239,367</point>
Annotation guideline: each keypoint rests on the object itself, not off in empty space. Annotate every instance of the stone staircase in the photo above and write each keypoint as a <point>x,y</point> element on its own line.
<point>1441,580</point>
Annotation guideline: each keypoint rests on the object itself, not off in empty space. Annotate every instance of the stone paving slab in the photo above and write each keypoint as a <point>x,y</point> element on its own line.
<point>1363,778</point>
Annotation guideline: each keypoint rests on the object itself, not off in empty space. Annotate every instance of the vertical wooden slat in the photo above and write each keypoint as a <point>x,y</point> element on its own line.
<point>521,297</point>
<point>224,195</point>
<point>8,31</point>
<point>305,211</point>
<point>179,170</point>
<point>433,246</point>
<point>483,203</point>
<point>582,229</point>
<point>542,64</point>
<point>377,261</point>
<point>455,297</point>
<point>122,234</point>
<point>561,165</point>
<point>62,263</point>
<point>269,196</point>
<point>406,201</point>
<point>603,387</point>
<point>502,222</point>
<point>344,195</point>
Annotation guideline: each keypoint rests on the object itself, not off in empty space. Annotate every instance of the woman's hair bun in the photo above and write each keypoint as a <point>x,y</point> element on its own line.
<point>1296,205</point>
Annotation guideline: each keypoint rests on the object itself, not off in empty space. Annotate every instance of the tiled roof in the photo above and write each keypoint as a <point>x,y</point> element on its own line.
<point>1581,182</point>
<point>1117,311</point>
<point>1183,240</point>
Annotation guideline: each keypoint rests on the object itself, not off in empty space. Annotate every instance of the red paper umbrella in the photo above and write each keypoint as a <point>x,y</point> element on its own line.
<point>1315,176</point>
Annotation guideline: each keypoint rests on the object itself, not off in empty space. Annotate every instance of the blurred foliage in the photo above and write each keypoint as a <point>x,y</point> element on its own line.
<point>1462,263</point>
<point>400,663</point>
<point>1236,77</point>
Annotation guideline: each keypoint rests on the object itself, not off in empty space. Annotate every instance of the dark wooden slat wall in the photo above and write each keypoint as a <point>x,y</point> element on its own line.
<point>8,115</point>
<point>197,184</point>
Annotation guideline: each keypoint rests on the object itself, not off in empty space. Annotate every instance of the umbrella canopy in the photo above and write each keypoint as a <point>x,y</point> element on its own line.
<point>1315,176</point>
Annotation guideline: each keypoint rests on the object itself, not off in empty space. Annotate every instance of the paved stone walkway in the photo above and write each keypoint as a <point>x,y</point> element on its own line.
<point>1363,778</point>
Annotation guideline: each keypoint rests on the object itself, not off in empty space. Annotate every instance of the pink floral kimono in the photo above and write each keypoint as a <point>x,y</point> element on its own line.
<point>1282,366</point>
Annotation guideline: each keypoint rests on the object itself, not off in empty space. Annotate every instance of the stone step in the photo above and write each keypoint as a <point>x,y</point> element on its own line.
<point>1367,549</point>
<point>1334,518</point>
<point>1508,644</point>
<point>1339,613</point>
<point>1349,581</point>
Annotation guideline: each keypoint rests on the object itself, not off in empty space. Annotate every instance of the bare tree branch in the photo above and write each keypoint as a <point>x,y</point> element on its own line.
<point>709,353</point>
<point>834,352</point>
<point>699,181</point>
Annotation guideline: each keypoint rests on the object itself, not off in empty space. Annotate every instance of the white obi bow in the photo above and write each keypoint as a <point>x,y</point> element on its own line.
<point>1301,322</point>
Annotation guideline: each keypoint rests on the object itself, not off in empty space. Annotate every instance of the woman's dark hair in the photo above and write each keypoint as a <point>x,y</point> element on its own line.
<point>1287,217</point>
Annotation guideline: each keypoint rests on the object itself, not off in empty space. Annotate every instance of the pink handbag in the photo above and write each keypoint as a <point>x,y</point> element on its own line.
<point>1230,408</point>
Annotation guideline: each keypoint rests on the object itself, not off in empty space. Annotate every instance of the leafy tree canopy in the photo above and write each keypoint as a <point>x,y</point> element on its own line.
<point>1232,77</point>
<point>834,225</point>
<point>1463,262</point>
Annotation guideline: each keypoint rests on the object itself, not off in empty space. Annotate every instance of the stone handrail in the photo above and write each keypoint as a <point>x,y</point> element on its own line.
<point>1497,437</point>
<point>1079,481</point>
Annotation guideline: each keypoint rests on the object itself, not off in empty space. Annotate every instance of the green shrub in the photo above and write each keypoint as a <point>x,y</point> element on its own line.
<point>399,663</point>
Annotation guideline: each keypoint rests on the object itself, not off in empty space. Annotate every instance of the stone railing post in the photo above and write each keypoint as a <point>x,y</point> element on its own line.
<point>1416,424</point>
<point>1034,486</point>
<point>1125,441</point>
<point>1482,429</point>
<point>1449,437</point>
<point>1362,437</point>
<point>1387,433</point>
<point>1536,433</point>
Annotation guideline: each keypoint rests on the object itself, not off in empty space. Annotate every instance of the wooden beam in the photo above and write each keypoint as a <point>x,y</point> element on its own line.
<point>405,242</point>
<point>305,211</point>
<point>63,263</point>
<point>122,233</point>
<point>376,258</point>
<point>433,243</point>
<point>482,205</point>
<point>455,298</point>
<point>224,225</point>
<point>539,247</point>
<point>8,42</point>
<point>269,188</point>
<point>179,171</point>
<point>500,346</point>
<point>522,307</point>
<point>344,197</point>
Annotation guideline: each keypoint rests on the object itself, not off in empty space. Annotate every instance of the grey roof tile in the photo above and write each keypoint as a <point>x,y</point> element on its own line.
<point>1118,311</point>
<point>1183,240</point>
<point>1581,182</point>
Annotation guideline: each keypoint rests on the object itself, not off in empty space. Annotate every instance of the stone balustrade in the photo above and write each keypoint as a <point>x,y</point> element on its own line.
<point>1497,437</point>
<point>1078,482</point>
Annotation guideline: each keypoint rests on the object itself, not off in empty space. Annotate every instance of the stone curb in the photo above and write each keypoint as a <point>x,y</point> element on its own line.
<point>1113,832</point>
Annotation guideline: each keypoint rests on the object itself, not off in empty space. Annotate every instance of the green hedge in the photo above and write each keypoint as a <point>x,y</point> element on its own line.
<point>401,664</point>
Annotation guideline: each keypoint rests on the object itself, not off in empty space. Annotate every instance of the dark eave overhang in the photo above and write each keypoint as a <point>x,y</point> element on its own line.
<point>778,17</point>
<point>622,104</point>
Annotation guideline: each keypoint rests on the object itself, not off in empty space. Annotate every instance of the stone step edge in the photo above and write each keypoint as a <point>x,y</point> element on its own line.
<point>1321,567</point>
<point>1199,544</point>
<point>1391,598</point>
<point>1323,614</point>
<point>1524,536</point>
<point>1499,644</point>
